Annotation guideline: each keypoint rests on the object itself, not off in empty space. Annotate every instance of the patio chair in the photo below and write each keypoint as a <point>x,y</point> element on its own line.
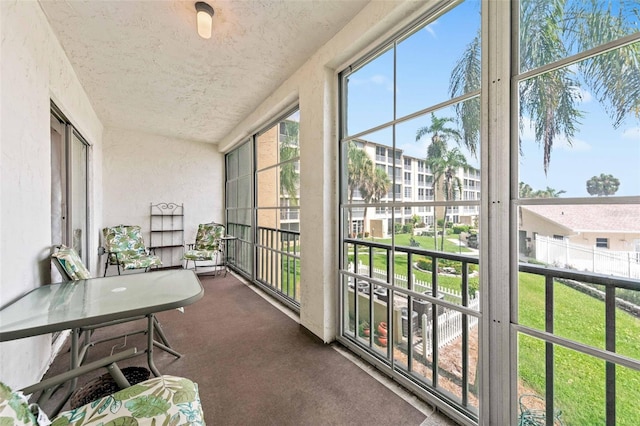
<point>69,263</point>
<point>124,247</point>
<point>208,245</point>
<point>71,268</point>
<point>159,400</point>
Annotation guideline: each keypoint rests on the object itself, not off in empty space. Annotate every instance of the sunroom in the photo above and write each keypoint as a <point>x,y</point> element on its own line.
<point>376,162</point>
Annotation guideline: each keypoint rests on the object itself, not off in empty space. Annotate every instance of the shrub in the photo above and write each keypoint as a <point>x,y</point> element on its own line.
<point>474,285</point>
<point>458,229</point>
<point>424,263</point>
<point>407,228</point>
<point>397,228</point>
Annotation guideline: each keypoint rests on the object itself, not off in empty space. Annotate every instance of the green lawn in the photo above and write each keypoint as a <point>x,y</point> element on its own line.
<point>427,243</point>
<point>579,379</point>
<point>401,266</point>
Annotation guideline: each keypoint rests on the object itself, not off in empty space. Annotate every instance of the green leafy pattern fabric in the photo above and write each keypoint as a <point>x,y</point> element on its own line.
<point>208,236</point>
<point>164,400</point>
<point>124,245</point>
<point>208,242</point>
<point>72,264</point>
<point>14,408</point>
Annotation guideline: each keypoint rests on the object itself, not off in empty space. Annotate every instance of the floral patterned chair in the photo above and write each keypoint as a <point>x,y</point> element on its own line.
<point>208,245</point>
<point>69,263</point>
<point>125,248</point>
<point>160,400</point>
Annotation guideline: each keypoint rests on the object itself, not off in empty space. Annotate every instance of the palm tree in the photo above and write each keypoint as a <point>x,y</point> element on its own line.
<point>603,185</point>
<point>551,30</point>
<point>437,156</point>
<point>373,188</point>
<point>439,132</point>
<point>525,190</point>
<point>289,150</point>
<point>445,173</point>
<point>548,193</point>
<point>359,172</point>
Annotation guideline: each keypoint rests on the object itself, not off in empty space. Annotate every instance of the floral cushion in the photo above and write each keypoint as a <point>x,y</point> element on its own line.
<point>72,264</point>
<point>124,245</point>
<point>200,254</point>
<point>208,236</point>
<point>164,400</point>
<point>14,408</point>
<point>132,260</point>
<point>123,238</point>
<point>207,243</point>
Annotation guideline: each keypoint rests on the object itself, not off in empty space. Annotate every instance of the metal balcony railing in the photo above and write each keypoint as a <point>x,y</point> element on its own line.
<point>278,262</point>
<point>380,283</point>
<point>440,318</point>
<point>616,294</point>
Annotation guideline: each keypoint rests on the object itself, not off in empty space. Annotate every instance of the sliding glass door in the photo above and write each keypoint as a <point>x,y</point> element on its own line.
<point>69,186</point>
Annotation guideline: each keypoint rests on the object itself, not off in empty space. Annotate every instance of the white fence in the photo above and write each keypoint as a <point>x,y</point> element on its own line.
<point>449,322</point>
<point>449,327</point>
<point>603,261</point>
<point>402,282</point>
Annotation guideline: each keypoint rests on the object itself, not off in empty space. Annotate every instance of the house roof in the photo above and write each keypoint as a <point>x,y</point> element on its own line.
<point>591,217</point>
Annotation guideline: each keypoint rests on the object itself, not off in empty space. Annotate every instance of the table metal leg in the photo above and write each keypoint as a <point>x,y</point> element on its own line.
<point>150,327</point>
<point>74,363</point>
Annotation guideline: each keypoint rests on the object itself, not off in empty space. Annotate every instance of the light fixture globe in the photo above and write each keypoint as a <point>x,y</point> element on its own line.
<point>204,16</point>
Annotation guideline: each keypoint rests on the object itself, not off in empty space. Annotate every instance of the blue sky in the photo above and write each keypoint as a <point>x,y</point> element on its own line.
<point>425,61</point>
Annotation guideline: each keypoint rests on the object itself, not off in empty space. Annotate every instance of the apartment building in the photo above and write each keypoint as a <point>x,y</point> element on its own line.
<point>412,183</point>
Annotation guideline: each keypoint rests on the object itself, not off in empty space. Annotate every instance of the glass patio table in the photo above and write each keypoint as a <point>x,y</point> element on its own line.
<point>84,303</point>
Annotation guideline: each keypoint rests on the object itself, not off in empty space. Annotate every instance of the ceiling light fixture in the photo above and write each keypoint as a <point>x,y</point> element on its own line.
<point>204,15</point>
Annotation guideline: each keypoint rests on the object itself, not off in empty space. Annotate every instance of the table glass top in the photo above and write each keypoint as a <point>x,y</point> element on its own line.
<point>56,307</point>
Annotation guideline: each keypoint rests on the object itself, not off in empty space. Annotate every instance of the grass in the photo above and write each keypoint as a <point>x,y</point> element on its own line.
<point>579,379</point>
<point>427,243</point>
<point>401,266</point>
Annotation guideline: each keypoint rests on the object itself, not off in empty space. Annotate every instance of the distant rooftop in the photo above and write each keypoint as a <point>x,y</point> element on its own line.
<point>592,217</point>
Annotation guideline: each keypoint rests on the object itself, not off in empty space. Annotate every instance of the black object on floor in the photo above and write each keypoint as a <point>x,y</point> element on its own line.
<point>105,385</point>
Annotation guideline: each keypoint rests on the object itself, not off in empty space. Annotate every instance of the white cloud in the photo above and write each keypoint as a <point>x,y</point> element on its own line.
<point>382,80</point>
<point>632,133</point>
<point>376,79</point>
<point>576,145</point>
<point>527,135</point>
<point>431,30</point>
<point>586,96</point>
<point>379,79</point>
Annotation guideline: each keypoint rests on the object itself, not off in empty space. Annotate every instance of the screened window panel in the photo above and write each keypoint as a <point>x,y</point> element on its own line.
<point>371,85</point>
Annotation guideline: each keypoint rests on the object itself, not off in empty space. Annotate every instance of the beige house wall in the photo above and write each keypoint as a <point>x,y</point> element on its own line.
<point>535,224</point>
<point>623,241</point>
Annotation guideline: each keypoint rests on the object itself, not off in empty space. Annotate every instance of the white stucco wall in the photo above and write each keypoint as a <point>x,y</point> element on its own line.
<point>141,168</point>
<point>33,70</point>
<point>314,85</point>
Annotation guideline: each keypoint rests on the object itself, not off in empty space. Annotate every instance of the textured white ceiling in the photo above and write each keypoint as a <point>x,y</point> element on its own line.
<point>144,67</point>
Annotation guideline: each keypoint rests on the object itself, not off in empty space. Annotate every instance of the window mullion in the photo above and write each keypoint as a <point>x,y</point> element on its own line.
<point>496,405</point>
